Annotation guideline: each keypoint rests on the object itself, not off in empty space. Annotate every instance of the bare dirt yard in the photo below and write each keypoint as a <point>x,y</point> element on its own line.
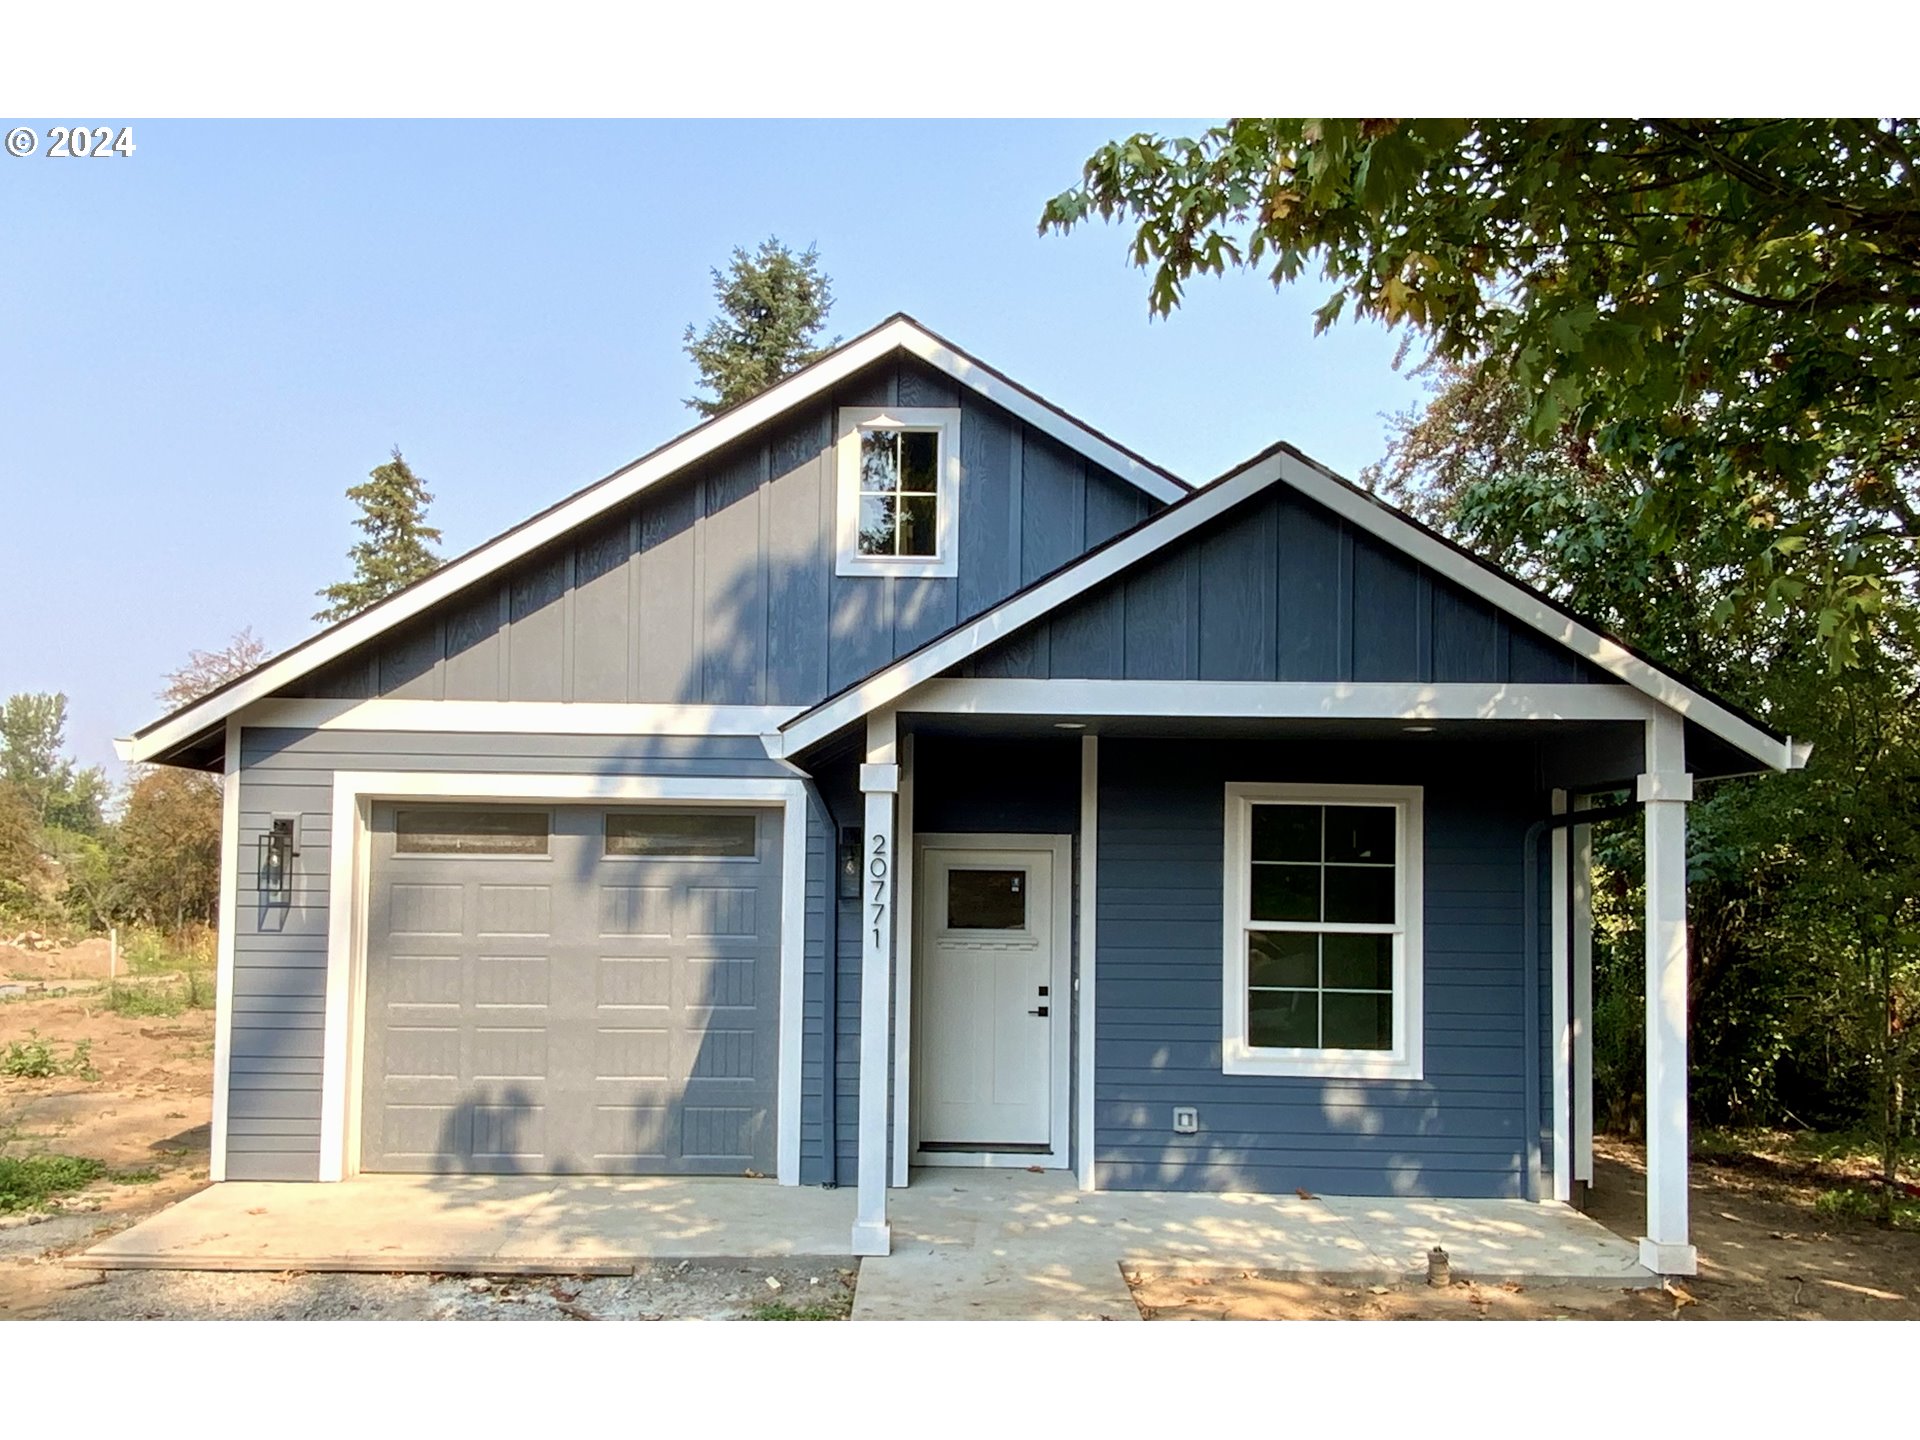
<point>1769,1250</point>
<point>127,1096</point>
<point>130,1094</point>
<point>139,1103</point>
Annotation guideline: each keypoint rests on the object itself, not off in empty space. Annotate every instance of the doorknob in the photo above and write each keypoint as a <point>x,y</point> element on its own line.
<point>1041,1011</point>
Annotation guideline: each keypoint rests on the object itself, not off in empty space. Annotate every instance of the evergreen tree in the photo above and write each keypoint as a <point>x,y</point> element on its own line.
<point>397,549</point>
<point>772,305</point>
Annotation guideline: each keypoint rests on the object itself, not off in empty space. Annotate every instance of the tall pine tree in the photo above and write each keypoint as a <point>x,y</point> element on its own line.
<point>397,549</point>
<point>772,305</point>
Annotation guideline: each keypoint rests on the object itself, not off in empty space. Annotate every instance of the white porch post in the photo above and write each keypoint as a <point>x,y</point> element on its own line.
<point>1665,790</point>
<point>1582,996</point>
<point>1562,1068</point>
<point>879,783</point>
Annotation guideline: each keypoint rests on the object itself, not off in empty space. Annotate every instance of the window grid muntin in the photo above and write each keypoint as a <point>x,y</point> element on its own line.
<point>1320,928</point>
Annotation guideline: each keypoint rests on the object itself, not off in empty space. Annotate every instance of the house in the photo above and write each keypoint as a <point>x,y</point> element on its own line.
<point>896,772</point>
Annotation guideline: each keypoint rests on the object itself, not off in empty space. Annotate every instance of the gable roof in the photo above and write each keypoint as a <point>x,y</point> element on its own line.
<point>899,333</point>
<point>1283,464</point>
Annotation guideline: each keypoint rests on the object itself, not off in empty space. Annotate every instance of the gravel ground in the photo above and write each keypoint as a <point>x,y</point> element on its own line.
<point>690,1290</point>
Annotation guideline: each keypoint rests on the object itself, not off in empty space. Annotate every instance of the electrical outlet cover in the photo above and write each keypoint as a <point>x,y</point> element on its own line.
<point>1186,1120</point>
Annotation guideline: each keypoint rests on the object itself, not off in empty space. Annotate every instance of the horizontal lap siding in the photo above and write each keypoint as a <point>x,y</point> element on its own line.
<point>280,949</point>
<point>1280,589</point>
<point>1460,1130</point>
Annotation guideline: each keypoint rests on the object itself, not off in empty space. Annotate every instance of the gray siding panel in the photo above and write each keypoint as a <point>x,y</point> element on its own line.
<point>1281,589</point>
<point>1461,1130</point>
<point>717,587</point>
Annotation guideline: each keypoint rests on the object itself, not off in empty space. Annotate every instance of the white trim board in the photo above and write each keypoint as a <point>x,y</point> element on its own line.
<point>518,717</point>
<point>224,955</point>
<point>1085,996</point>
<point>891,685</point>
<point>897,334</point>
<point>354,792</point>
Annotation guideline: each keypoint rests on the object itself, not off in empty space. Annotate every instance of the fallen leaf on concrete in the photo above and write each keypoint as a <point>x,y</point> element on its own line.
<point>1304,1193</point>
<point>258,1210</point>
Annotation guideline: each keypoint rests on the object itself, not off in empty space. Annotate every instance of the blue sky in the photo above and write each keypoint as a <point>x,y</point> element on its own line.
<point>203,345</point>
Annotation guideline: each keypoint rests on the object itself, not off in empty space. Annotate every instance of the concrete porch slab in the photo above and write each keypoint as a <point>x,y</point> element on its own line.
<point>481,1224</point>
<point>999,1244</point>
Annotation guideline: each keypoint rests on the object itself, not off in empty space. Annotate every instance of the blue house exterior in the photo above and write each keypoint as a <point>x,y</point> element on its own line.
<point>895,773</point>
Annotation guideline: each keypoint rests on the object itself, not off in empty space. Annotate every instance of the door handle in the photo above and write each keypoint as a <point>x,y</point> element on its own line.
<point>1041,1011</point>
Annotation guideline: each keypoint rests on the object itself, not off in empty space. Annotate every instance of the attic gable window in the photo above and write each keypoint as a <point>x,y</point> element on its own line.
<point>897,470</point>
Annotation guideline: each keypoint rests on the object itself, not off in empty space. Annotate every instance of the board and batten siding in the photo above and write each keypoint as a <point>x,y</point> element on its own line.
<point>718,587</point>
<point>280,948</point>
<point>1280,589</point>
<point>1459,1131</point>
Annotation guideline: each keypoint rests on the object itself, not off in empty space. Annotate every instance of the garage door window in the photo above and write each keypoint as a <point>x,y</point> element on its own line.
<point>652,835</point>
<point>445,830</point>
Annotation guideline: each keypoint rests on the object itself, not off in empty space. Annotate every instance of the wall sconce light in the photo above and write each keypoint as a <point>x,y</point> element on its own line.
<point>277,849</point>
<point>850,864</point>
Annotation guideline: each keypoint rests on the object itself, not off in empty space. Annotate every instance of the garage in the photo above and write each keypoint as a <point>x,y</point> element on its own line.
<point>571,990</point>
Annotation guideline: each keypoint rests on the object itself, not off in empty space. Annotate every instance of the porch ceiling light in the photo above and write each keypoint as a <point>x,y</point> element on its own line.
<point>1069,725</point>
<point>1417,729</point>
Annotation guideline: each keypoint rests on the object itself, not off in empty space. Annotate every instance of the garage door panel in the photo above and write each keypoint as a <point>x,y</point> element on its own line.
<point>634,982</point>
<point>517,980</point>
<point>518,910</point>
<point>544,1040</point>
<point>426,909</point>
<point>636,910</point>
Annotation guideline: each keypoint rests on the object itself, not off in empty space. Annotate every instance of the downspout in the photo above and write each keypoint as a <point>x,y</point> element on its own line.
<point>1530,960</point>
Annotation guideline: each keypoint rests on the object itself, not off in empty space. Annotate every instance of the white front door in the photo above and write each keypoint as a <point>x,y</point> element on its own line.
<point>989,1009</point>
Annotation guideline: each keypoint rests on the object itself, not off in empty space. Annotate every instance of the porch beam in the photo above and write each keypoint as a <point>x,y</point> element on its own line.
<point>1665,789</point>
<point>1278,700</point>
<point>879,784</point>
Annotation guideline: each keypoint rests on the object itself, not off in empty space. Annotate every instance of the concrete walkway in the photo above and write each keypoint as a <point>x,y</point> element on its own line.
<point>981,1244</point>
<point>998,1244</point>
<point>494,1225</point>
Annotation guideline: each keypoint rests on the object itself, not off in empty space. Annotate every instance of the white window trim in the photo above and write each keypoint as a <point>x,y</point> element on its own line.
<point>945,423</point>
<point>1404,1061</point>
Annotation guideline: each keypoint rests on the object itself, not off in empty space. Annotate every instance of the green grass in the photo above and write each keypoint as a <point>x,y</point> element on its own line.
<point>145,999</point>
<point>1849,1202</point>
<point>146,1175</point>
<point>36,1059</point>
<point>1808,1147</point>
<point>152,952</point>
<point>27,1182</point>
<point>837,1308</point>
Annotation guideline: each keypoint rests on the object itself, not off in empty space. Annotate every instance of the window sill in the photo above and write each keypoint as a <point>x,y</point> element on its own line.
<point>928,568</point>
<point>1319,1064</point>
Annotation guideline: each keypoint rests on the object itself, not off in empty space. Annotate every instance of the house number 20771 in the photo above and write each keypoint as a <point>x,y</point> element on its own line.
<point>877,871</point>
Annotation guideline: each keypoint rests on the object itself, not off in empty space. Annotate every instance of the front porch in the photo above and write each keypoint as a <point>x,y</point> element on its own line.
<point>966,1243</point>
<point>1479,1086</point>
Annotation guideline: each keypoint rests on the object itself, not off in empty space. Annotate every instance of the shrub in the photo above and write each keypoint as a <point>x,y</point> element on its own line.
<point>34,1059</point>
